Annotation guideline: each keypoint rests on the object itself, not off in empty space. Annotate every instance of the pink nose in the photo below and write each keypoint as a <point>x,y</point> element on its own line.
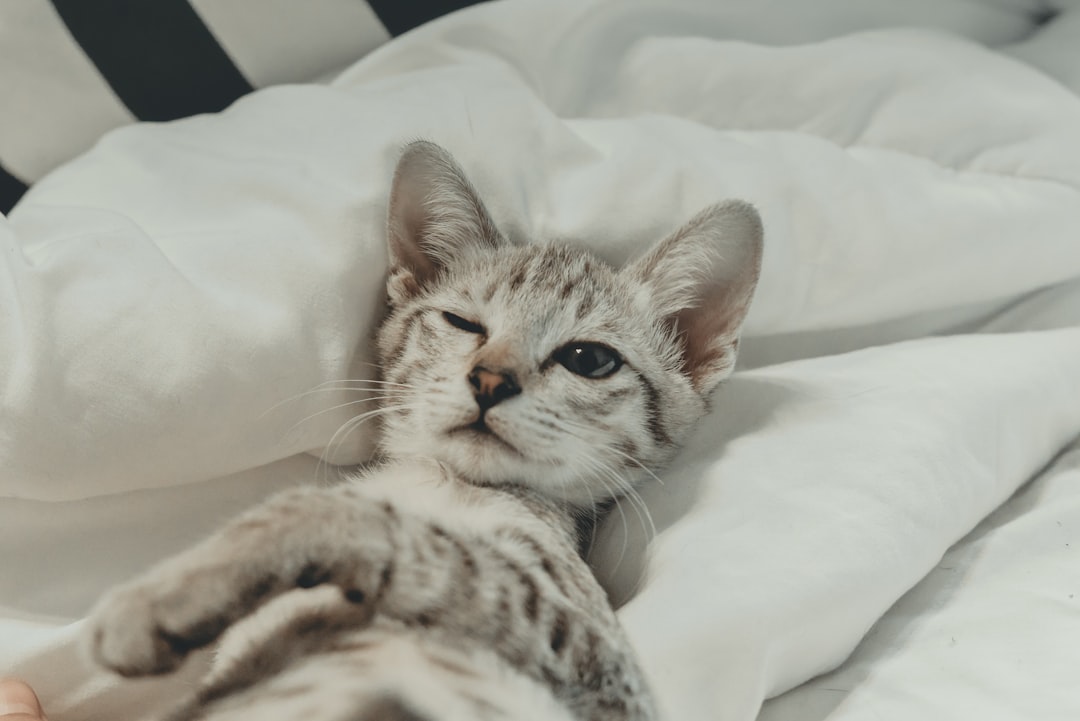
<point>491,387</point>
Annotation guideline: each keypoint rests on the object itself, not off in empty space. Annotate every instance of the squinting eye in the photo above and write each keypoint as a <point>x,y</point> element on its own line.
<point>589,360</point>
<point>460,323</point>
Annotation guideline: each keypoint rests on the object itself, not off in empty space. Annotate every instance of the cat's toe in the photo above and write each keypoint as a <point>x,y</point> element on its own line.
<point>124,635</point>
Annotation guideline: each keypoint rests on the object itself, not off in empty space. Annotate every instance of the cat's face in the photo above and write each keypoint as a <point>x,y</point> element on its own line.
<point>539,364</point>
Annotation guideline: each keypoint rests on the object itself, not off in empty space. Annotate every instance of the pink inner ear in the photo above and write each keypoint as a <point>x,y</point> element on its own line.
<point>703,277</point>
<point>408,216</point>
<point>435,213</point>
<point>406,233</point>
<point>710,338</point>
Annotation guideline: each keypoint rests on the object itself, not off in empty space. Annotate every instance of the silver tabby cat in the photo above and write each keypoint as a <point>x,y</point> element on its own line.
<point>524,386</point>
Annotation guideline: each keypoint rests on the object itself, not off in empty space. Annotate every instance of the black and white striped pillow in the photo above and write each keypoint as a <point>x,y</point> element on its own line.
<point>72,69</point>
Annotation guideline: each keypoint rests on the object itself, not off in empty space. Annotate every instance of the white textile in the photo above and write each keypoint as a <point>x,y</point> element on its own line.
<point>167,298</point>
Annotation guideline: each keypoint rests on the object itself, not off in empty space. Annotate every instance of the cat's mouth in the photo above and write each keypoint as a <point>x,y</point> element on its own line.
<point>480,432</point>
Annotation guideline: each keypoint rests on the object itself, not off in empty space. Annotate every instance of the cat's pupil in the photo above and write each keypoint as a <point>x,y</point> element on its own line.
<point>462,324</point>
<point>590,360</point>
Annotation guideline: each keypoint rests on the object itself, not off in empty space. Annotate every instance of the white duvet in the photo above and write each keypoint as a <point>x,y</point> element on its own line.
<point>911,360</point>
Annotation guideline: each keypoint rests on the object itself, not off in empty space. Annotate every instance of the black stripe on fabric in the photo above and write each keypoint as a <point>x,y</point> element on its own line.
<point>11,189</point>
<point>400,16</point>
<point>157,55</point>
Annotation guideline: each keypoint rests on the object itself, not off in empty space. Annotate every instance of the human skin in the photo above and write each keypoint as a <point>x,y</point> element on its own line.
<point>18,702</point>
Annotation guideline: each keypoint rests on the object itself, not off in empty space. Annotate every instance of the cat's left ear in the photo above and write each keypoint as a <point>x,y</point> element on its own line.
<point>435,214</point>
<point>703,277</point>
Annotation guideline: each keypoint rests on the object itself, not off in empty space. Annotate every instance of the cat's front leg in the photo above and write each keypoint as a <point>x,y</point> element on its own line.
<point>298,539</point>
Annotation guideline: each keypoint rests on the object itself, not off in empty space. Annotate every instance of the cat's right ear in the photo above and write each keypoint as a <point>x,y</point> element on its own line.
<point>702,277</point>
<point>435,214</point>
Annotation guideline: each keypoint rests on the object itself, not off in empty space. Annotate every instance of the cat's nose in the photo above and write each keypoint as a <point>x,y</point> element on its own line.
<point>491,387</point>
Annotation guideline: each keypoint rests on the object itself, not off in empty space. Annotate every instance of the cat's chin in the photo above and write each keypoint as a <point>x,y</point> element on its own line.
<point>485,457</point>
<point>481,457</point>
<point>482,438</point>
<point>489,456</point>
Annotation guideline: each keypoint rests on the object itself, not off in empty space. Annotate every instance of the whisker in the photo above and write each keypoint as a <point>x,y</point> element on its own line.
<point>348,427</point>
<point>638,463</point>
<point>322,388</point>
<point>641,510</point>
<point>594,509</point>
<point>625,529</point>
<point>346,389</point>
<point>596,465</point>
<point>571,426</point>
<point>620,488</point>
<point>650,532</point>
<point>338,389</point>
<point>372,399</point>
<point>368,380</point>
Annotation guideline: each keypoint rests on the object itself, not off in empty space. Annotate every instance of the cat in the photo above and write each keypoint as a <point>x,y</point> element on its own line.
<point>523,386</point>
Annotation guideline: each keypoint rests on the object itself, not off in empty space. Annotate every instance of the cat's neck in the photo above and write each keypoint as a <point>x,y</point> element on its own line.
<point>559,514</point>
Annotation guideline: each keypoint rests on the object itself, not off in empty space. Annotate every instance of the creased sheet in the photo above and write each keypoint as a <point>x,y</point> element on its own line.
<point>818,493</point>
<point>168,301</point>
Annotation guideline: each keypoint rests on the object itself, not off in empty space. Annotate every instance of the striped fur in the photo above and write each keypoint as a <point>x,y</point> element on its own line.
<point>446,583</point>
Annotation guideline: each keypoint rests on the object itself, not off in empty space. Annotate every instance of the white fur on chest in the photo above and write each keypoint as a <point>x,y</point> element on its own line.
<point>430,491</point>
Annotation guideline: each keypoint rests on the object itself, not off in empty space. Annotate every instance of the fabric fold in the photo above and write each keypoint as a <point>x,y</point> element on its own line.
<point>839,482</point>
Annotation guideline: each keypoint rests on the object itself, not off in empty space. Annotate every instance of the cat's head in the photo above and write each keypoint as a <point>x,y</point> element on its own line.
<point>539,364</point>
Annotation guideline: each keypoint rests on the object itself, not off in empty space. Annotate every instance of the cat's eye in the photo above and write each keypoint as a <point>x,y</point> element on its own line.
<point>462,324</point>
<point>589,360</point>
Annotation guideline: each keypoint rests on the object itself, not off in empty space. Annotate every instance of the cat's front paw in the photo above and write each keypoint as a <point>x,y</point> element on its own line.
<point>134,631</point>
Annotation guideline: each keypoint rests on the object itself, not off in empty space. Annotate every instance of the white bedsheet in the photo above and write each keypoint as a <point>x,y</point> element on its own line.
<point>166,298</point>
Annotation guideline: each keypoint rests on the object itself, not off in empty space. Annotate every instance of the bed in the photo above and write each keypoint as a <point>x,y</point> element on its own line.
<point>880,517</point>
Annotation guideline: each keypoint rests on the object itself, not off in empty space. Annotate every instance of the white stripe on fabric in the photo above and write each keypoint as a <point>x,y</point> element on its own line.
<point>55,103</point>
<point>284,41</point>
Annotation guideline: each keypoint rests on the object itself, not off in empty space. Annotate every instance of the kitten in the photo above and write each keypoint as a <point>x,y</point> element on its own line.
<point>523,386</point>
